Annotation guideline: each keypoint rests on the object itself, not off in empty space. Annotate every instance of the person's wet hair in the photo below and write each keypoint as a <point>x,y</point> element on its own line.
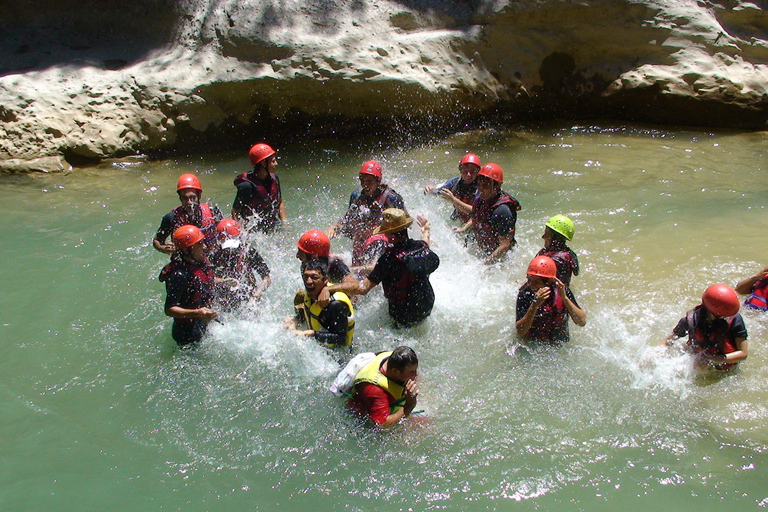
<point>403,357</point>
<point>316,264</point>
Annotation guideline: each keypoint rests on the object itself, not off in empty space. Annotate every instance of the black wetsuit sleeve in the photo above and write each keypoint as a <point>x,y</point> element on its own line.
<point>257,263</point>
<point>503,220</point>
<point>166,227</point>
<point>177,289</point>
<point>449,184</point>
<point>243,196</point>
<point>338,270</point>
<point>335,320</point>
<point>381,270</point>
<point>682,328</point>
<point>524,300</point>
<point>738,329</point>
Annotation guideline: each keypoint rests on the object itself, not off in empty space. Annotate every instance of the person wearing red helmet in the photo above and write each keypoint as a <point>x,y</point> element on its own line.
<point>461,190</point>
<point>259,200</point>
<point>236,264</point>
<point>757,289</point>
<point>189,284</point>
<point>191,211</point>
<point>314,244</point>
<point>366,205</point>
<point>716,332</point>
<point>494,215</point>
<point>544,304</point>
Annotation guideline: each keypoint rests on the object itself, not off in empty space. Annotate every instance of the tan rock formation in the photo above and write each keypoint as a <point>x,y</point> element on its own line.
<point>126,77</point>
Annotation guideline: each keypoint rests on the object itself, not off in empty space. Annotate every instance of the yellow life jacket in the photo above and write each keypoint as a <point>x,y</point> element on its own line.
<point>311,312</point>
<point>371,374</point>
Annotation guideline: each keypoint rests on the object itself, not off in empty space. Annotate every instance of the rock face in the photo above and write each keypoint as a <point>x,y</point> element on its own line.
<point>126,77</point>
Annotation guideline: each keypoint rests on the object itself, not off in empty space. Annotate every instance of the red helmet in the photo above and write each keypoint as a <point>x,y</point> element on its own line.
<point>259,152</point>
<point>315,243</point>
<point>186,236</point>
<point>371,167</point>
<point>721,300</point>
<point>230,226</point>
<point>189,181</point>
<point>470,158</point>
<point>493,172</point>
<point>542,266</point>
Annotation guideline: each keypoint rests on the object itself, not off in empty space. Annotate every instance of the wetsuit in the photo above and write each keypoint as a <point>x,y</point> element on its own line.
<point>259,199</point>
<point>566,261</point>
<point>190,286</point>
<point>204,217</point>
<point>403,270</point>
<point>550,324</point>
<point>463,192</point>
<point>492,219</point>
<point>715,339</point>
<point>239,263</point>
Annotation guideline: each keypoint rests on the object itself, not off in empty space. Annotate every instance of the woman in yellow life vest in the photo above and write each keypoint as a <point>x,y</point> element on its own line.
<point>385,389</point>
<point>332,325</point>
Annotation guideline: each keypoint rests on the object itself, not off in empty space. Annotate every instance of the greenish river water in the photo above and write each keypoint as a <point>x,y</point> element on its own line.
<point>100,411</point>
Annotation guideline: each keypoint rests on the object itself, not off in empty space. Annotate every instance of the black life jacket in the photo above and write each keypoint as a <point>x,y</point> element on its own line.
<point>482,210</point>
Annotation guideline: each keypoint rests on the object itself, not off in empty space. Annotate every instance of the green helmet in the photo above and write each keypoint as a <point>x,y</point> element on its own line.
<point>562,225</point>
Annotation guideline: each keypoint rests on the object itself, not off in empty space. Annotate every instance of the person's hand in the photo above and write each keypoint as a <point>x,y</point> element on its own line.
<point>429,189</point>
<point>560,286</point>
<point>764,272</point>
<point>542,294</point>
<point>290,323</point>
<point>168,248</point>
<point>423,222</point>
<point>324,298</point>
<point>207,314</point>
<point>447,195</point>
<point>411,391</point>
<point>331,232</point>
<point>230,282</point>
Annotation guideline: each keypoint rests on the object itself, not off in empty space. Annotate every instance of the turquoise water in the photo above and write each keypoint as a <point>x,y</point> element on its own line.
<point>101,411</point>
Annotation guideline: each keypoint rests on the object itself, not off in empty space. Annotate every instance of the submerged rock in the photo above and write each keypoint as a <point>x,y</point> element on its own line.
<point>130,77</point>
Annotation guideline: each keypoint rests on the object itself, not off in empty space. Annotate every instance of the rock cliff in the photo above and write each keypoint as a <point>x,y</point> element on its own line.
<point>116,78</point>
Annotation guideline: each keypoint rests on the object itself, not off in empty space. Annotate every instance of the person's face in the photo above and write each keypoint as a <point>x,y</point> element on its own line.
<point>538,282</point>
<point>188,197</point>
<point>486,187</point>
<point>369,183</point>
<point>271,163</point>
<point>408,373</point>
<point>314,282</point>
<point>548,237</point>
<point>302,256</point>
<point>468,172</point>
<point>197,252</point>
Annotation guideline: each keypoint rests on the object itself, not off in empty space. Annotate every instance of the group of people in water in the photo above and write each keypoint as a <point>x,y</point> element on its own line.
<point>213,266</point>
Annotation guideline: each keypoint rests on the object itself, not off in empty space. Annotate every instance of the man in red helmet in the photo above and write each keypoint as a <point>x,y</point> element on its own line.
<point>191,212</point>
<point>189,282</point>
<point>259,200</point>
<point>494,215</point>
<point>314,244</point>
<point>236,264</point>
<point>366,205</point>
<point>716,332</point>
<point>461,190</point>
<point>544,304</point>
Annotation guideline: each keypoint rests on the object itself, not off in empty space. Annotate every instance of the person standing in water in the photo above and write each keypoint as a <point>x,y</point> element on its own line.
<point>717,336</point>
<point>494,215</point>
<point>189,285</point>
<point>191,212</point>
<point>461,190</point>
<point>332,325</point>
<point>544,304</point>
<point>259,201</point>
<point>404,269</point>
<point>366,206</point>
<point>385,390</point>
<point>757,288</point>
<point>236,264</point>
<point>557,232</point>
